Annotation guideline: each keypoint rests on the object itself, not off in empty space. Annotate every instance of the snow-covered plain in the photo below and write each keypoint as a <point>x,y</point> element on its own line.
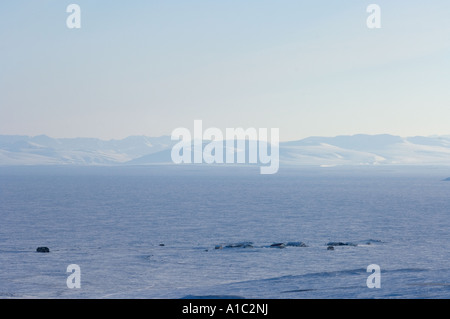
<point>151,232</point>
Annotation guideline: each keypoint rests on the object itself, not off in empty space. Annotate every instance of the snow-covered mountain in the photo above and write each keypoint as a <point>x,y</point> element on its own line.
<point>141,150</point>
<point>44,150</point>
<point>367,150</point>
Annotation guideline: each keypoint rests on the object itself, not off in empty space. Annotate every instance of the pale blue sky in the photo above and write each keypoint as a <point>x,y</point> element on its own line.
<point>148,67</point>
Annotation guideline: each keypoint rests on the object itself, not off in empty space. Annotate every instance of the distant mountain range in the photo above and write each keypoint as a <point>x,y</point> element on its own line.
<point>140,150</point>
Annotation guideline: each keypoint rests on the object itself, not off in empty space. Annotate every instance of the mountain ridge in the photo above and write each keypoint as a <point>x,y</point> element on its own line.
<point>358,149</point>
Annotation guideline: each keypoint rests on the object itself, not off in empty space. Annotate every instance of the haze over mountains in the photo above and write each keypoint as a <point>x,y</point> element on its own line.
<point>141,150</point>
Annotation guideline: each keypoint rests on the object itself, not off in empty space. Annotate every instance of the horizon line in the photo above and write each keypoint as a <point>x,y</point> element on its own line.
<point>169,136</point>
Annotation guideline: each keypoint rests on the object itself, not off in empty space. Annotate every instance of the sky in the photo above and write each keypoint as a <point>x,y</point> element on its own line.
<point>309,68</point>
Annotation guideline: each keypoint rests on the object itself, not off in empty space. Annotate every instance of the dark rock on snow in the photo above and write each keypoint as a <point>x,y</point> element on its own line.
<point>244,244</point>
<point>278,245</point>
<point>338,243</point>
<point>296,244</point>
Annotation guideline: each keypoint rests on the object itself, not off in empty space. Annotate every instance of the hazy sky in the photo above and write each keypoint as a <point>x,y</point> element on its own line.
<point>147,67</point>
